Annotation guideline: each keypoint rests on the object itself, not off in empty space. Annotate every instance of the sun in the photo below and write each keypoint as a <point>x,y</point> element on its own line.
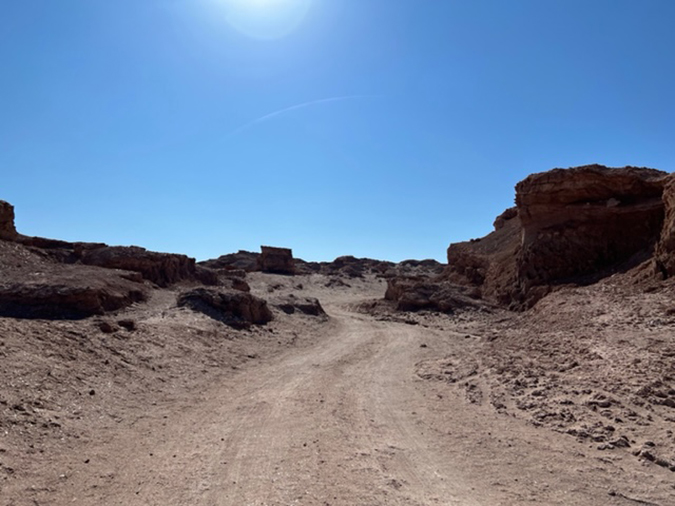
<point>262,4</point>
<point>266,19</point>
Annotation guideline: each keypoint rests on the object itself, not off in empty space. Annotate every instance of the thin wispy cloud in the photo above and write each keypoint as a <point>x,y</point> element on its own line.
<point>303,105</point>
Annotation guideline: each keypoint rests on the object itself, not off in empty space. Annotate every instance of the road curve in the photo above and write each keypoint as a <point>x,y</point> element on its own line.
<point>331,424</point>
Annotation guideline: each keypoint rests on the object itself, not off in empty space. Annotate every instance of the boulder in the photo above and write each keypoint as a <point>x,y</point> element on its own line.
<point>7,230</point>
<point>163,269</point>
<point>305,305</point>
<point>276,260</point>
<point>415,293</point>
<point>665,250</point>
<point>231,307</point>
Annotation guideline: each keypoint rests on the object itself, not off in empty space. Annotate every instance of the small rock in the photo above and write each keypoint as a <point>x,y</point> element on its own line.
<point>106,327</point>
<point>130,325</point>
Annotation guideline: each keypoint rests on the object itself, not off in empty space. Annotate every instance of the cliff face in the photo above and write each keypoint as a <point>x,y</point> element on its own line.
<point>7,230</point>
<point>665,251</point>
<point>570,226</point>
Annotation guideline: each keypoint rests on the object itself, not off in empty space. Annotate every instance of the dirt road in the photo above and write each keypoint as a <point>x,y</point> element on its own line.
<point>343,422</point>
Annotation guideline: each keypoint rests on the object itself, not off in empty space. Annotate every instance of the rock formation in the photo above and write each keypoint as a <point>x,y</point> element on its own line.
<point>234,308</point>
<point>7,230</point>
<point>586,221</point>
<point>276,260</point>
<point>162,269</point>
<point>569,226</point>
<point>665,251</point>
<point>34,286</point>
<point>75,296</point>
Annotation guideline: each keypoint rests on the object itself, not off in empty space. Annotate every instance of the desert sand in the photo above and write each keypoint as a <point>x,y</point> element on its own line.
<point>535,368</point>
<point>352,408</point>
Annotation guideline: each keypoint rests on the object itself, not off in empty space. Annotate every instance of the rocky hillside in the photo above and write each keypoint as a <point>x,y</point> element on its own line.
<point>344,266</point>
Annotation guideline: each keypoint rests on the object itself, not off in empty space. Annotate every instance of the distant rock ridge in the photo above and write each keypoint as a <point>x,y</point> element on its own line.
<point>347,265</point>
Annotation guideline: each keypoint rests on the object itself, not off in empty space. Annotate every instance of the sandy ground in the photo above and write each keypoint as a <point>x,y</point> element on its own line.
<point>364,407</point>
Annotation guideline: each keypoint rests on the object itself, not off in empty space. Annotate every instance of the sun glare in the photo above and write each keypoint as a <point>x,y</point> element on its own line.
<point>266,19</point>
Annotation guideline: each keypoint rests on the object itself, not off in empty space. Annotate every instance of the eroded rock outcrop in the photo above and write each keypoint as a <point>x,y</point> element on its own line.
<point>32,286</point>
<point>7,230</point>
<point>69,296</point>
<point>665,251</point>
<point>585,221</point>
<point>276,260</point>
<point>569,226</point>
<point>163,269</point>
<point>231,307</point>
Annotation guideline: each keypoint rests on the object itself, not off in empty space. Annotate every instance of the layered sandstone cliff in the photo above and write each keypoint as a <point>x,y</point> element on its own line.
<point>570,226</point>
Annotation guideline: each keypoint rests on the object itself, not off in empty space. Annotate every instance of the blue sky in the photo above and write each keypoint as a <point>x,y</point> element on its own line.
<point>378,128</point>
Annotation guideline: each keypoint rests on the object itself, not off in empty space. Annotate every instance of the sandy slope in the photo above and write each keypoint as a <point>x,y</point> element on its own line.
<point>338,417</point>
